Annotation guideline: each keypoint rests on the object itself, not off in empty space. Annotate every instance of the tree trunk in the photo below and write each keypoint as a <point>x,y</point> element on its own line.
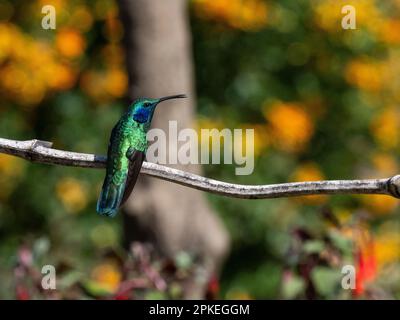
<point>172,217</point>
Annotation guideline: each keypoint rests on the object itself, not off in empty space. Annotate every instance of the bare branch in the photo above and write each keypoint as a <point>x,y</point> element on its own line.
<point>41,151</point>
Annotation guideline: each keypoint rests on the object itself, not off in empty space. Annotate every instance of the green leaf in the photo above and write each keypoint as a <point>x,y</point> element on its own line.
<point>326,280</point>
<point>340,242</point>
<point>175,290</point>
<point>155,295</point>
<point>41,246</point>
<point>293,287</point>
<point>183,260</point>
<point>69,279</point>
<point>96,289</point>
<point>313,246</point>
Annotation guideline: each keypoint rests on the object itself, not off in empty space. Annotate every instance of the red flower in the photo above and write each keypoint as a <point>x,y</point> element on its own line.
<point>122,296</point>
<point>366,269</point>
<point>212,288</point>
<point>21,293</point>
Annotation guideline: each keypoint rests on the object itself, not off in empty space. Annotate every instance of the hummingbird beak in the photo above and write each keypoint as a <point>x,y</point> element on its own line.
<point>178,96</point>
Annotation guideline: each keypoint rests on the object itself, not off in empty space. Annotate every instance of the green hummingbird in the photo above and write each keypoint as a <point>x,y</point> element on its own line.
<point>126,153</point>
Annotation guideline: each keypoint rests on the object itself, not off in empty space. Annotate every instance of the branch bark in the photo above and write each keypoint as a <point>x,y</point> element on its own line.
<point>42,152</point>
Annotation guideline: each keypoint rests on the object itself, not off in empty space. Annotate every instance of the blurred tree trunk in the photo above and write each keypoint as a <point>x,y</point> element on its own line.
<point>172,217</point>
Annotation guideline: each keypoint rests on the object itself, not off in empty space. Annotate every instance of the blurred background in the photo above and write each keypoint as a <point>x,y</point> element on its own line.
<point>324,105</point>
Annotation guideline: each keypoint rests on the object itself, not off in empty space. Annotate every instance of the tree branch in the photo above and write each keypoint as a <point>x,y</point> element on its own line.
<point>42,152</point>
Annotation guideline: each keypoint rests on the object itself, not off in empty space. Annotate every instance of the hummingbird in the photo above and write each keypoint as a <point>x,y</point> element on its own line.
<point>126,153</point>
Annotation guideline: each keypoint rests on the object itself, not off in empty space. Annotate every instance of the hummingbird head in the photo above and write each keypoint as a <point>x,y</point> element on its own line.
<point>142,109</point>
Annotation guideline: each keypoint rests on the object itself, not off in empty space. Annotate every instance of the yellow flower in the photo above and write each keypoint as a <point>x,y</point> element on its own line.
<point>290,126</point>
<point>70,43</point>
<point>72,194</point>
<point>107,275</point>
<point>6,38</point>
<point>387,246</point>
<point>309,172</point>
<point>385,129</point>
<point>379,204</point>
<point>245,15</point>
<point>10,166</point>
<point>10,169</point>
<point>385,164</point>
<point>32,69</point>
<point>365,75</point>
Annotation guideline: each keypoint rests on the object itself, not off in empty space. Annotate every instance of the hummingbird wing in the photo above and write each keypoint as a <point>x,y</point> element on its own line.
<point>116,175</point>
<point>136,159</point>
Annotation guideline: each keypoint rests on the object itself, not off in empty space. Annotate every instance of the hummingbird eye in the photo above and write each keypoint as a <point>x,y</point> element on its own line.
<point>147,104</point>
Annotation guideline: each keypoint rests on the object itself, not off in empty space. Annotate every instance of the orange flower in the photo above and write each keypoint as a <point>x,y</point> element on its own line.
<point>390,32</point>
<point>116,82</point>
<point>104,85</point>
<point>32,69</point>
<point>70,43</point>
<point>108,276</point>
<point>385,128</point>
<point>93,84</point>
<point>365,75</point>
<point>245,15</point>
<point>63,78</point>
<point>290,126</point>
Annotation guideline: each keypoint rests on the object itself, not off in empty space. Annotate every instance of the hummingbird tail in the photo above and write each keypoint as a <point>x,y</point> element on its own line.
<point>110,198</point>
